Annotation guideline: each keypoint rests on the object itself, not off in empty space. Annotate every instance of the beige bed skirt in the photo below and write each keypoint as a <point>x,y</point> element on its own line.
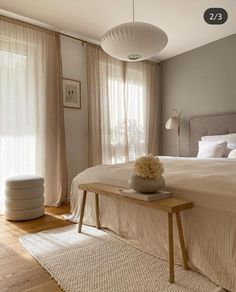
<point>146,228</point>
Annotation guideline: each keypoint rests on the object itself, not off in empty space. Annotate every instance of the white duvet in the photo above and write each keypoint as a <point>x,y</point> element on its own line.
<point>209,227</point>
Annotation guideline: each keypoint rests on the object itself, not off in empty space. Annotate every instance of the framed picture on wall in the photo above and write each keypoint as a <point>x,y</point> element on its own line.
<point>72,93</point>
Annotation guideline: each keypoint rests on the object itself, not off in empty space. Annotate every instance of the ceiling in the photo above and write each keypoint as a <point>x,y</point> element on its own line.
<point>182,20</point>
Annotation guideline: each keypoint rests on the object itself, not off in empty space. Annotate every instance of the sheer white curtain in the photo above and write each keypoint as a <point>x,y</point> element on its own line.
<point>31,109</point>
<point>123,108</point>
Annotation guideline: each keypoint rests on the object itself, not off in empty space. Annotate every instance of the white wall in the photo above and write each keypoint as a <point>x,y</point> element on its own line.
<point>76,120</point>
<point>198,82</point>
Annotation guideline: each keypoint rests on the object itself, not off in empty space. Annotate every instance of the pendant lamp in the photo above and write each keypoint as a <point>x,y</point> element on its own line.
<point>134,41</point>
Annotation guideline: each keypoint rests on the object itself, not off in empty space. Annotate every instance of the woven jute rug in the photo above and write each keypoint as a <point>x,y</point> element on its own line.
<point>97,261</point>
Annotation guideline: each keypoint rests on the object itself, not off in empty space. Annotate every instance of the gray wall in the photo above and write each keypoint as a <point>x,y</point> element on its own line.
<point>198,82</point>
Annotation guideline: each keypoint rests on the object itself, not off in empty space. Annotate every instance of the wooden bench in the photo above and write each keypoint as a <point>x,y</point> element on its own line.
<point>169,205</point>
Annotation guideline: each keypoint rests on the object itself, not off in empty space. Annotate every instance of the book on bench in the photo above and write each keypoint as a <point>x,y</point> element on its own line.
<point>145,196</point>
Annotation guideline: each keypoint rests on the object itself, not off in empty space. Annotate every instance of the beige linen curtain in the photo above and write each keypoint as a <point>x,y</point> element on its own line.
<point>123,108</point>
<point>32,139</point>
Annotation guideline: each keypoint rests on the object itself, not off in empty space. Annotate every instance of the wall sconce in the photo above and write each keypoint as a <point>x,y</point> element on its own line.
<point>173,123</point>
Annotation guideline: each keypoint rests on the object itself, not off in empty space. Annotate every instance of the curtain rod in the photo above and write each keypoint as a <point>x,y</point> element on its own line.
<point>74,38</point>
<point>80,40</point>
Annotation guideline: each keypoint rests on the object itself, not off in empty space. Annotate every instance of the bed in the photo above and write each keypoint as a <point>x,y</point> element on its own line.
<point>209,227</point>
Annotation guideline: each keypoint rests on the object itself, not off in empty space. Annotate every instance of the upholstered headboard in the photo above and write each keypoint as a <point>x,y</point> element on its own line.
<point>210,125</point>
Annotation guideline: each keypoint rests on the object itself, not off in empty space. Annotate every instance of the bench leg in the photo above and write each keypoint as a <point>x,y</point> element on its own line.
<point>97,211</point>
<point>82,211</point>
<point>181,240</point>
<point>171,248</point>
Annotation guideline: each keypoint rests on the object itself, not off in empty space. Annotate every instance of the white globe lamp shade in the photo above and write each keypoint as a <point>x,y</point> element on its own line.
<point>172,123</point>
<point>134,41</point>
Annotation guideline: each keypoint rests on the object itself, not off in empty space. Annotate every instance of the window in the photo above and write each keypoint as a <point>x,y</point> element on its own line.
<point>123,114</point>
<point>31,108</point>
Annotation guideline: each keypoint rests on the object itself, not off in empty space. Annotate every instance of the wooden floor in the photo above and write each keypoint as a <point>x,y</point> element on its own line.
<point>18,270</point>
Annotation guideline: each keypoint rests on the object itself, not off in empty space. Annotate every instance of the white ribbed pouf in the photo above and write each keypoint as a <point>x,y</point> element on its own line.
<point>24,197</point>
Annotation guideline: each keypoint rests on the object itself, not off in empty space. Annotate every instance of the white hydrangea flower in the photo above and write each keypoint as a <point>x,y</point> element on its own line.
<point>148,166</point>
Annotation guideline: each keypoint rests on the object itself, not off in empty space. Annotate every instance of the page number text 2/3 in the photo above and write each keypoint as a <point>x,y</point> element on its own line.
<point>215,15</point>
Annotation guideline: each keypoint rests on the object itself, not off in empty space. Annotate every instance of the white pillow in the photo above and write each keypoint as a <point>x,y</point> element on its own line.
<point>232,154</point>
<point>231,138</point>
<point>231,146</point>
<point>211,149</point>
<point>215,138</point>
